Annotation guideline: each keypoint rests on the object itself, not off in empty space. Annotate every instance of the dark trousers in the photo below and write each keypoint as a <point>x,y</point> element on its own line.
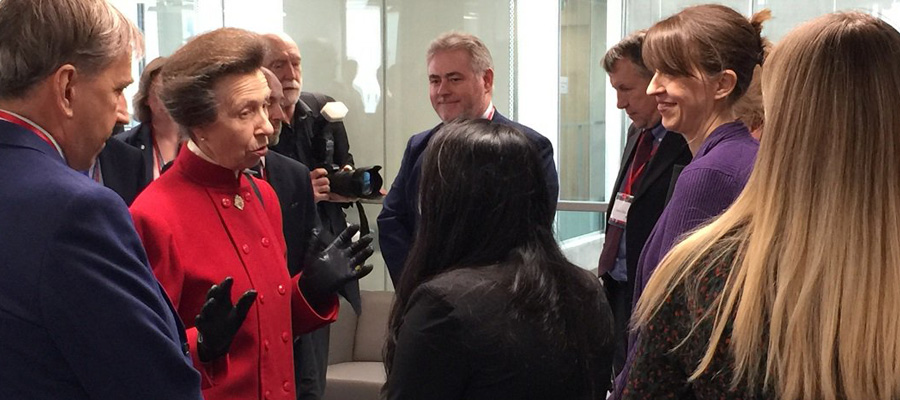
<point>619,296</point>
<point>311,363</point>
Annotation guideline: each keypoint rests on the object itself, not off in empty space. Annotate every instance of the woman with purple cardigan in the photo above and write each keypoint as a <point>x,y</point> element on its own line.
<point>703,58</point>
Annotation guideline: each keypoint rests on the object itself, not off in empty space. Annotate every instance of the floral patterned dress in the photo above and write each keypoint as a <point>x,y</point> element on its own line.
<point>663,363</point>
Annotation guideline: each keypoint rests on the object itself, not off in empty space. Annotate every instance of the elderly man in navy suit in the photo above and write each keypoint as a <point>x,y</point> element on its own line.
<point>81,314</point>
<point>461,82</point>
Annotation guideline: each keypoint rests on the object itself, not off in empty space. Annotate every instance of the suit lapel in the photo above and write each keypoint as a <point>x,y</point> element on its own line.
<point>671,147</point>
<point>627,155</point>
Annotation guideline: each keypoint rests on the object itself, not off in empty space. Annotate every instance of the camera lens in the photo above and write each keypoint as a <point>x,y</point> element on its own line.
<point>366,179</point>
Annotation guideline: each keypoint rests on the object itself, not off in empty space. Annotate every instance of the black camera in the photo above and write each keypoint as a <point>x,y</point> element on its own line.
<point>363,183</point>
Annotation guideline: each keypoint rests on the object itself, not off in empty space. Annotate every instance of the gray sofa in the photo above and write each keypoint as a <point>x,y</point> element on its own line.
<point>356,368</point>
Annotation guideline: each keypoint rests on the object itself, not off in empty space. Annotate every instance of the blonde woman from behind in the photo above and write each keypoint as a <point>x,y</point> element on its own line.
<point>792,292</point>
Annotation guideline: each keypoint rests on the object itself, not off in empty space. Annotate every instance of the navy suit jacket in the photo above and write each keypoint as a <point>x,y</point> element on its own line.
<point>81,314</point>
<point>399,216</point>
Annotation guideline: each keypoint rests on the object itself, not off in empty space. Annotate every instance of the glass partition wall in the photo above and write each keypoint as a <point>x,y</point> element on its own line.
<point>370,54</point>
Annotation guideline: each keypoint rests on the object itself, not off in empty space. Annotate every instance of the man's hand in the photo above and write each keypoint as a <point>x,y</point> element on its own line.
<point>329,269</point>
<point>336,198</point>
<point>320,185</point>
<point>219,320</point>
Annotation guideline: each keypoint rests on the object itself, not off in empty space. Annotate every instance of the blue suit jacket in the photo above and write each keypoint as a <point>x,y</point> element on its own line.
<point>398,218</point>
<point>81,314</point>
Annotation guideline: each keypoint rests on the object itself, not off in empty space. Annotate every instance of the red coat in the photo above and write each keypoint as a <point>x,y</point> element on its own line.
<point>196,234</point>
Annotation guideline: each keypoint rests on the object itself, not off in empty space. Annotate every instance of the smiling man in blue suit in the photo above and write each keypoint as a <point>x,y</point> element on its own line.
<point>81,314</point>
<point>461,83</point>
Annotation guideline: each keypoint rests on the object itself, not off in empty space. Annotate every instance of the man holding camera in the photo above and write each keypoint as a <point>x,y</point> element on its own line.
<point>312,133</point>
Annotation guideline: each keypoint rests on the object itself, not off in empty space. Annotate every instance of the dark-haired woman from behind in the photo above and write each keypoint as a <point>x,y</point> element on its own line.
<point>489,308</point>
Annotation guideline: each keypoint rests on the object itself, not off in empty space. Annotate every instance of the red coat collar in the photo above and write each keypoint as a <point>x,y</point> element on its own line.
<point>204,172</point>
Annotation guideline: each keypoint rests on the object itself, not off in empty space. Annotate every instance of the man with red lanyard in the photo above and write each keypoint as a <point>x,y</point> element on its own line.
<point>639,195</point>
<point>82,315</point>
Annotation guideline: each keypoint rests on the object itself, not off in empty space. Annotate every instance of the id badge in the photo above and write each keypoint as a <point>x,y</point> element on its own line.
<point>619,214</point>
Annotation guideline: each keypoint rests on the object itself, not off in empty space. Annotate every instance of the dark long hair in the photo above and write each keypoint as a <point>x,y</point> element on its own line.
<point>483,200</point>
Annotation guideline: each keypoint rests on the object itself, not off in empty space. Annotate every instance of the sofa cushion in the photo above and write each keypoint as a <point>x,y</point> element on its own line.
<point>354,380</point>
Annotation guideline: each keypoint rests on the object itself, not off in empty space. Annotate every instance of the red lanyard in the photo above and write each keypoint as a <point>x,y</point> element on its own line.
<point>27,125</point>
<point>634,174</point>
<point>490,116</point>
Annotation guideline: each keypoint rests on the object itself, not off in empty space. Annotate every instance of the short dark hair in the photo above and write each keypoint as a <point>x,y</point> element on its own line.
<point>191,73</point>
<point>628,49</point>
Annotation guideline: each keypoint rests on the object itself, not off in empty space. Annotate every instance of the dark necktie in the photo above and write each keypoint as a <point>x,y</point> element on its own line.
<point>259,171</point>
<point>642,154</point>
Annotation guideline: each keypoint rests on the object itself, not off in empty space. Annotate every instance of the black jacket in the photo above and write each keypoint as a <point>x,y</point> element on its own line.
<point>459,341</point>
<point>290,180</point>
<point>122,169</point>
<point>139,138</point>
<point>297,141</point>
<point>651,194</point>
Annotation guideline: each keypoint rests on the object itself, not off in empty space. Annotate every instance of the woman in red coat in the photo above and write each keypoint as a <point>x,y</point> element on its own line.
<point>205,221</point>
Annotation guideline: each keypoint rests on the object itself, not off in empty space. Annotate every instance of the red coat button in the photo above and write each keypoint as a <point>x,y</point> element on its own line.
<point>262,299</point>
<point>268,395</point>
<point>247,196</point>
<point>286,337</point>
<point>286,386</point>
<point>226,202</point>
<point>246,249</point>
<point>281,290</point>
<point>265,242</point>
<point>266,345</point>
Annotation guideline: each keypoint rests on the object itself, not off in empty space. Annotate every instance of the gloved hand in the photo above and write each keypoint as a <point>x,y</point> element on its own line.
<point>219,320</point>
<point>329,269</point>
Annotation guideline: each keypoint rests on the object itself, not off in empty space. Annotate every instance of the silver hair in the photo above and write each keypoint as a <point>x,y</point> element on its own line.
<point>478,52</point>
<point>42,35</point>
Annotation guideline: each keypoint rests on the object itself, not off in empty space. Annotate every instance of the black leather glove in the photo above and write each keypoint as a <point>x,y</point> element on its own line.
<point>219,320</point>
<point>329,269</point>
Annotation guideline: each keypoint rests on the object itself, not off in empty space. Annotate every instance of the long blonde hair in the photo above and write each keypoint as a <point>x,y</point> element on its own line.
<point>814,287</point>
